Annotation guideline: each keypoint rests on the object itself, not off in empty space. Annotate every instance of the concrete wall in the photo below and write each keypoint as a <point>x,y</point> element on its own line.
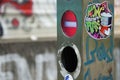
<point>28,61</point>
<point>35,61</point>
<point>117,58</point>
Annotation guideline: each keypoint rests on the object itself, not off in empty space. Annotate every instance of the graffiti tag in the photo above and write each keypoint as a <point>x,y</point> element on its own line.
<point>101,51</point>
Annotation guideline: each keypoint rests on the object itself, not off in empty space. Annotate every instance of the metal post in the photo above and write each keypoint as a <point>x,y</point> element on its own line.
<point>85,39</point>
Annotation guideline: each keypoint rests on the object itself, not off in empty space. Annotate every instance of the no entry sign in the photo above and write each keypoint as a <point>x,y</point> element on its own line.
<point>69,23</point>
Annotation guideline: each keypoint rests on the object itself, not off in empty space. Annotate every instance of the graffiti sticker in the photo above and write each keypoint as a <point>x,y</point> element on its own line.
<point>68,77</point>
<point>98,20</point>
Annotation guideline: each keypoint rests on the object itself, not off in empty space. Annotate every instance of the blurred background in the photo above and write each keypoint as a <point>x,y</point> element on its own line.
<point>28,39</point>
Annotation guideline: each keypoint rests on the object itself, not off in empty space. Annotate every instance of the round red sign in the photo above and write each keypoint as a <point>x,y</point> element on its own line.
<point>69,23</point>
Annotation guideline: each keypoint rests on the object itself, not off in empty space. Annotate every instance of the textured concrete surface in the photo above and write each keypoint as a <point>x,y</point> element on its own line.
<point>28,61</point>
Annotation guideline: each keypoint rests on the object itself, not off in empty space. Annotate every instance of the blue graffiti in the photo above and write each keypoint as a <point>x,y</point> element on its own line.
<point>101,77</point>
<point>89,61</point>
<point>101,52</point>
<point>67,78</point>
<point>87,76</point>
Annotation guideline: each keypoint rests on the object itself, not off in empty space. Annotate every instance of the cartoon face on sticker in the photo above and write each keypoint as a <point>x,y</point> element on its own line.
<point>98,20</point>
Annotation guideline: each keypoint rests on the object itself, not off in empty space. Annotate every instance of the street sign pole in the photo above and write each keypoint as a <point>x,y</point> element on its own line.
<point>85,39</point>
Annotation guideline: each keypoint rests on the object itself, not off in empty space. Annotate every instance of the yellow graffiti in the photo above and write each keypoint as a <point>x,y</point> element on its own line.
<point>98,11</point>
<point>95,11</point>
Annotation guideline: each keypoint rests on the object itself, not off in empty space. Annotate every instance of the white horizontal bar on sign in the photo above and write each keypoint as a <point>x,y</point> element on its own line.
<point>70,24</point>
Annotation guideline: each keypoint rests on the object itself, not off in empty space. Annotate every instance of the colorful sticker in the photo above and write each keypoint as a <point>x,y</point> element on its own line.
<point>98,20</point>
<point>68,77</point>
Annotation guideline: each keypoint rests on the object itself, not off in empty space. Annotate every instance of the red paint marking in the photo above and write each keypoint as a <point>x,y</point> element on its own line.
<point>15,22</point>
<point>25,8</point>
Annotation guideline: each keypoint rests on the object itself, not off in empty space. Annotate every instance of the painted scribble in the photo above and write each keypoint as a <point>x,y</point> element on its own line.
<point>87,75</point>
<point>100,76</point>
<point>103,53</point>
<point>99,53</point>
